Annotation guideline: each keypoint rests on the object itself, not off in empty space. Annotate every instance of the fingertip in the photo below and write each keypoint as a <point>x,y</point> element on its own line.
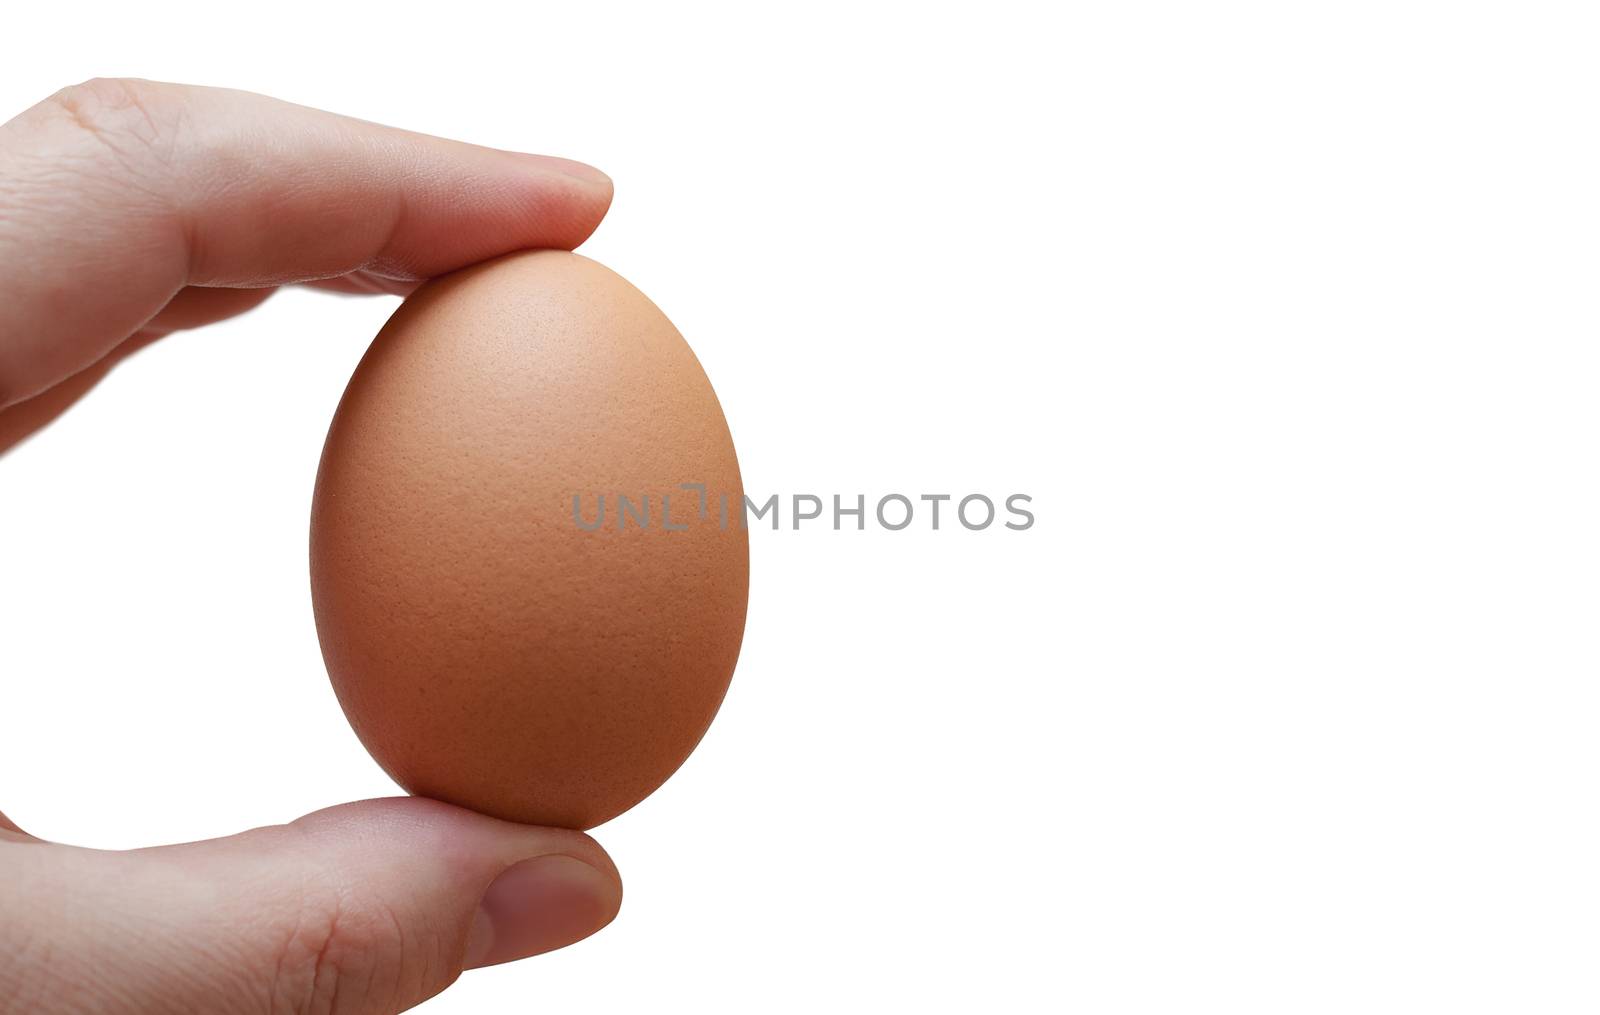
<point>539,905</point>
<point>576,193</point>
<point>580,171</point>
<point>586,193</point>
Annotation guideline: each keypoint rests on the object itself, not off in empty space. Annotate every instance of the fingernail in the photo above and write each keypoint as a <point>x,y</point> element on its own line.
<point>577,170</point>
<point>540,905</point>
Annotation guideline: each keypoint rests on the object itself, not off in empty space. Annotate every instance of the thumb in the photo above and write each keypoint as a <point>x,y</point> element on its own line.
<point>365,908</point>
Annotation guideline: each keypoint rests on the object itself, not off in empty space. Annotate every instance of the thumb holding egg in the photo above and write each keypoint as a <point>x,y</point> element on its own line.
<point>364,908</point>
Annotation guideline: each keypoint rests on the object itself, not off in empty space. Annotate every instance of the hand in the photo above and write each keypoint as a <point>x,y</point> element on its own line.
<point>129,210</point>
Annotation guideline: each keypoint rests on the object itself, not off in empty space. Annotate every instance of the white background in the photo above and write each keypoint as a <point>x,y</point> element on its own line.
<point>1284,314</point>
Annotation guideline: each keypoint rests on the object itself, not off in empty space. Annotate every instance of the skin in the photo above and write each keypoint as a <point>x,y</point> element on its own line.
<point>132,209</point>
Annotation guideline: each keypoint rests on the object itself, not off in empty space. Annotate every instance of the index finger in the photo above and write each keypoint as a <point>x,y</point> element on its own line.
<point>115,194</point>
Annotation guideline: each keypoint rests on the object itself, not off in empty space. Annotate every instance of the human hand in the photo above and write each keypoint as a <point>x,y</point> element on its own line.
<point>129,210</point>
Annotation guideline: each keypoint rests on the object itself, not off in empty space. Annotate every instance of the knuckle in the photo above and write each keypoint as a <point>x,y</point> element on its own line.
<point>128,117</point>
<point>344,954</point>
<point>315,957</point>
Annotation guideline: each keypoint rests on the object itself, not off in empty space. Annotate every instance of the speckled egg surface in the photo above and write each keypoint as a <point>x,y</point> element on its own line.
<point>526,603</point>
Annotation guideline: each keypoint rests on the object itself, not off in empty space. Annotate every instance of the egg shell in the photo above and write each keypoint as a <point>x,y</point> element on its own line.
<point>488,648</point>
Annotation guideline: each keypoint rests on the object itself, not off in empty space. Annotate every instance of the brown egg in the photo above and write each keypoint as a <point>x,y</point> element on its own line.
<point>489,648</point>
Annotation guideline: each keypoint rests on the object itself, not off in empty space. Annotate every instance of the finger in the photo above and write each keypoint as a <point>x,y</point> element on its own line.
<point>194,307</point>
<point>369,907</point>
<point>363,283</point>
<point>197,306</point>
<point>22,420</point>
<point>114,195</point>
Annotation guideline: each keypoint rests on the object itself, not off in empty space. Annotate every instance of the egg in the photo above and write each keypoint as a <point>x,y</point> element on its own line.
<point>529,562</point>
